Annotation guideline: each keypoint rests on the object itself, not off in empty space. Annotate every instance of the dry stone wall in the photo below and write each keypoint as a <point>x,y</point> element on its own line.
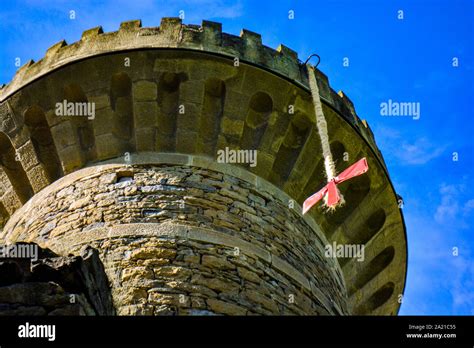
<point>184,240</point>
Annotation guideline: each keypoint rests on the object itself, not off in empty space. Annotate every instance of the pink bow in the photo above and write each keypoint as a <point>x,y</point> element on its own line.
<point>358,168</point>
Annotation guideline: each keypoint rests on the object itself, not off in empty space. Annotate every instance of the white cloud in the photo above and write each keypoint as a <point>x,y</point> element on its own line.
<point>416,152</point>
<point>420,152</point>
<point>449,206</point>
<point>454,208</point>
<point>462,294</point>
<point>468,206</point>
<point>438,282</point>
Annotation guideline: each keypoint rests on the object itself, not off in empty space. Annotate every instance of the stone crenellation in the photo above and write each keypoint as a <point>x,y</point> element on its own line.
<point>208,37</point>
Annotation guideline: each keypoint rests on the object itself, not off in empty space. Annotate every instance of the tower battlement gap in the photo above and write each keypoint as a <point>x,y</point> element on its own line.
<point>178,232</point>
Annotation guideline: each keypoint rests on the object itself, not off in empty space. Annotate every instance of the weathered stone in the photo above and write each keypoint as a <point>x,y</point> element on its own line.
<point>234,195</point>
<point>130,294</point>
<point>173,272</point>
<point>197,302</point>
<point>225,307</point>
<point>216,262</point>
<point>257,297</point>
<point>191,288</point>
<point>232,127</point>
<point>144,90</point>
<point>192,258</point>
<point>80,203</point>
<point>138,309</point>
<point>256,199</point>
<point>150,252</point>
<point>153,262</point>
<point>136,272</point>
<point>202,202</point>
<point>249,275</point>
<point>244,207</point>
<point>216,284</point>
<point>165,310</point>
<point>165,299</point>
<point>42,284</point>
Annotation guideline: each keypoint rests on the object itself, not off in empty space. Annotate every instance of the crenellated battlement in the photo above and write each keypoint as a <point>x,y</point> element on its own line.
<point>171,33</point>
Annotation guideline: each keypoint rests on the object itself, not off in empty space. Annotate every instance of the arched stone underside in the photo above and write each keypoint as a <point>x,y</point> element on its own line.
<point>172,110</point>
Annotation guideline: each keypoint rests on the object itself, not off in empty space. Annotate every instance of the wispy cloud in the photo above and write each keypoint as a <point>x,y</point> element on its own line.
<point>421,151</point>
<point>415,152</point>
<point>454,207</point>
<point>441,269</point>
<point>462,293</point>
<point>468,206</point>
<point>440,281</point>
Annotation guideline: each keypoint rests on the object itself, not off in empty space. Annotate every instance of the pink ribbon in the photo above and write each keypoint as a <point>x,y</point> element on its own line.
<point>358,168</point>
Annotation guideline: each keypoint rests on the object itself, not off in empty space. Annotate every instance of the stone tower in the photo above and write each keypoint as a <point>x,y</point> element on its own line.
<point>178,232</point>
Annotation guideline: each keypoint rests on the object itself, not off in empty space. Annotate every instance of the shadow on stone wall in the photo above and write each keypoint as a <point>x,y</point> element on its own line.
<point>54,285</point>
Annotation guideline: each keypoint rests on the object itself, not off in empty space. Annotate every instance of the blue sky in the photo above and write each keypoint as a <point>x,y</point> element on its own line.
<point>408,60</point>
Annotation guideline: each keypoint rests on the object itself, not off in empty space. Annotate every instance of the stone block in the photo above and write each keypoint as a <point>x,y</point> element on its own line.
<point>232,127</point>
<point>64,135</point>
<point>174,272</point>
<point>38,177</point>
<point>28,156</point>
<point>100,101</point>
<point>71,158</point>
<point>146,114</point>
<point>136,272</point>
<point>227,308</point>
<point>145,139</point>
<point>216,262</point>
<point>102,123</point>
<point>145,91</point>
<point>108,146</point>
<point>152,252</point>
